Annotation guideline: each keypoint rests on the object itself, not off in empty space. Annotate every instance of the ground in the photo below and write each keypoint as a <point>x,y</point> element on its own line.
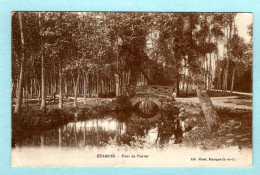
<point>235,113</point>
<point>232,102</point>
<point>235,128</point>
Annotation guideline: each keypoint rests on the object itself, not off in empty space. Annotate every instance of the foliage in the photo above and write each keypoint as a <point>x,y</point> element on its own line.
<point>233,124</point>
<point>108,43</point>
<point>238,47</point>
<point>31,120</point>
<point>242,73</point>
<point>123,103</point>
<point>107,95</point>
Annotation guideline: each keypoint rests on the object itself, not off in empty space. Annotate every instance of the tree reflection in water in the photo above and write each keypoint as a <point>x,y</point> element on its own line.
<point>132,130</point>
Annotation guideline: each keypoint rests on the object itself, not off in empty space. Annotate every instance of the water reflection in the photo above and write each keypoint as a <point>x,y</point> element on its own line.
<point>109,130</point>
<point>146,109</point>
<point>147,106</point>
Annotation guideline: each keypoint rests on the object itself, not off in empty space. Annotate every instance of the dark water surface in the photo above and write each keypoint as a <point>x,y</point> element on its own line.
<point>138,128</point>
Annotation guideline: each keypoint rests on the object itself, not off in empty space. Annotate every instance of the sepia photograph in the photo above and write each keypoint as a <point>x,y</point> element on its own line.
<point>131,89</point>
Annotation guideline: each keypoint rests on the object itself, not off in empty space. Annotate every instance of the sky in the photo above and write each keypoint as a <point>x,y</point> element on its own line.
<point>242,20</point>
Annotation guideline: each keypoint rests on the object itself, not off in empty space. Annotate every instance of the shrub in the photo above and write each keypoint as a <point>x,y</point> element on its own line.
<point>123,103</point>
<point>32,121</point>
<point>107,95</point>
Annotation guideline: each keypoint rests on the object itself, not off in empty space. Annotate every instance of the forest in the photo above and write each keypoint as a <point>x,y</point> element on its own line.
<point>72,55</point>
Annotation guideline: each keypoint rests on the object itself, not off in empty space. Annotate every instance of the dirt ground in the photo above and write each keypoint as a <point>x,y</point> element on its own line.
<point>235,114</point>
<point>233,102</point>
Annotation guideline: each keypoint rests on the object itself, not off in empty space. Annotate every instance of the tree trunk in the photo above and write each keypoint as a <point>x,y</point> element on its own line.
<point>223,81</point>
<point>208,109</point>
<point>60,137</point>
<point>219,80</point>
<point>54,86</point>
<point>42,140</point>
<point>229,55</point>
<point>205,70</point>
<point>117,85</point>
<point>23,101</point>
<point>60,87</point>
<point>31,88</point>
<point>20,85</point>
<point>177,86</point>
<point>66,86</point>
<point>210,72</point>
<point>26,94</point>
<point>12,91</point>
<point>85,87</point>
<point>226,76</point>
<point>43,95</point>
<point>103,86</point>
<point>187,88</point>
<point>97,87</point>
<point>76,89</point>
<point>233,77</point>
<point>39,95</point>
<point>183,81</point>
<point>16,88</point>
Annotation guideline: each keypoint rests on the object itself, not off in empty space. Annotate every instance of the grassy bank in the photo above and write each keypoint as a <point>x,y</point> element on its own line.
<point>32,120</point>
<point>235,129</point>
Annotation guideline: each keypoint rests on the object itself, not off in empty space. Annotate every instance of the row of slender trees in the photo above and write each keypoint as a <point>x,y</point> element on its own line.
<point>100,53</point>
<point>237,65</point>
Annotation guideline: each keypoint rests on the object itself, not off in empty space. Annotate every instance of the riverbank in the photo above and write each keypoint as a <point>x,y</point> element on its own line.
<point>33,120</point>
<point>235,128</point>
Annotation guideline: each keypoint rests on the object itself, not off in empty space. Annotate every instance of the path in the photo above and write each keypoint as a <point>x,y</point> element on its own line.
<point>235,92</point>
<point>230,102</point>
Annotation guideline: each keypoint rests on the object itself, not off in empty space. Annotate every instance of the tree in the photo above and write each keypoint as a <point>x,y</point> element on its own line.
<point>20,86</point>
<point>190,36</point>
<point>88,53</point>
<point>128,38</point>
<point>229,19</point>
<point>194,59</point>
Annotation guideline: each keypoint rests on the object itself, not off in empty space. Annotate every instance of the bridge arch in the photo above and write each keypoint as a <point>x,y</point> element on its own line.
<point>138,99</point>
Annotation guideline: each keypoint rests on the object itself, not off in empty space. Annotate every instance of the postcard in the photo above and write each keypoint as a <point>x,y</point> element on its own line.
<point>117,89</point>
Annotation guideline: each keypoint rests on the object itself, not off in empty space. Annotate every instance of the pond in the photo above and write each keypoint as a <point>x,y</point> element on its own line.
<point>138,128</point>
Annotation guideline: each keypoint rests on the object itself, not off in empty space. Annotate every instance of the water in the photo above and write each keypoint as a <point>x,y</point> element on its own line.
<point>145,126</point>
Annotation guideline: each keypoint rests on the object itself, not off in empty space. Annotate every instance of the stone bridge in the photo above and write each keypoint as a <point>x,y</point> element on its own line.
<point>154,93</point>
